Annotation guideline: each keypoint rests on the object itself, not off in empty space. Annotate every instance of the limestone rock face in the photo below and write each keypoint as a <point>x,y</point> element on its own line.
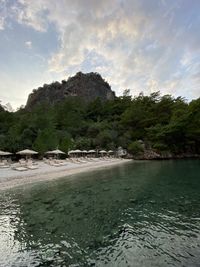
<point>87,86</point>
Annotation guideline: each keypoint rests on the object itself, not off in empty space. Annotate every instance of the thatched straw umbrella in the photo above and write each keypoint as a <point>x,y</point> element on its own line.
<point>27,153</point>
<point>103,152</point>
<point>77,152</point>
<point>70,152</point>
<point>92,151</point>
<point>84,152</point>
<point>55,152</point>
<point>4,153</point>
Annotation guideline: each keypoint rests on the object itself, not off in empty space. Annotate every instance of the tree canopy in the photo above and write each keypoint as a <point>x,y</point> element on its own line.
<point>164,123</point>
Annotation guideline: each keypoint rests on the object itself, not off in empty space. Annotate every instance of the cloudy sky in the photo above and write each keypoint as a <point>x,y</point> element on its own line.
<point>142,45</point>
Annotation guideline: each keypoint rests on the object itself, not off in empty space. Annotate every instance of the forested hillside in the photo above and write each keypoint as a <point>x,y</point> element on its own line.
<point>165,124</point>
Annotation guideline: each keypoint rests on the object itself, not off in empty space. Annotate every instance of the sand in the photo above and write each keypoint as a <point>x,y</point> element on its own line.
<point>11,178</point>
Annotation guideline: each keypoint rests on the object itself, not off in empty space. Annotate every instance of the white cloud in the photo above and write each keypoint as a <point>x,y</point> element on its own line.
<point>142,44</point>
<point>2,14</point>
<point>2,21</point>
<point>31,13</point>
<point>28,44</point>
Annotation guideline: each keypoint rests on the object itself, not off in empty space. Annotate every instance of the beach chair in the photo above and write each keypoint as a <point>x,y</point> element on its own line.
<point>22,162</point>
<point>46,161</point>
<point>4,165</point>
<point>20,168</point>
<point>61,162</point>
<point>54,163</point>
<point>75,160</point>
<point>82,160</point>
<point>30,166</point>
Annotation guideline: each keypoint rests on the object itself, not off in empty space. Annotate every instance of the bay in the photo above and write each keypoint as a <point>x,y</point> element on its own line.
<point>137,214</point>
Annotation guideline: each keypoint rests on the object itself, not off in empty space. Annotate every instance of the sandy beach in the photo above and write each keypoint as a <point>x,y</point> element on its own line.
<point>11,178</point>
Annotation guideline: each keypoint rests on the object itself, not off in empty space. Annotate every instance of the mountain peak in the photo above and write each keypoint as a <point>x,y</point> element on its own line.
<point>87,86</point>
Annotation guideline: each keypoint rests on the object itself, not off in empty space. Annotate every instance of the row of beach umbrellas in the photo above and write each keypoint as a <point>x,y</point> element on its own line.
<point>27,152</point>
<point>89,151</point>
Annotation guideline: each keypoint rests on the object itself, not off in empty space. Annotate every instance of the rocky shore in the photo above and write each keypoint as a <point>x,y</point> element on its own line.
<point>154,155</point>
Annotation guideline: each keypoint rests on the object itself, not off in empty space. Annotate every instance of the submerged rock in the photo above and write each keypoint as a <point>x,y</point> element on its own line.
<point>127,188</point>
<point>48,201</point>
<point>133,200</point>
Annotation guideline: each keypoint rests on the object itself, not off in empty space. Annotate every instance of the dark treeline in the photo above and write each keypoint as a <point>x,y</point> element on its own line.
<point>164,124</point>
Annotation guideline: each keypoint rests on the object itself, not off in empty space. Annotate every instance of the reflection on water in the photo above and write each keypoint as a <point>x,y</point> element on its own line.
<point>138,214</point>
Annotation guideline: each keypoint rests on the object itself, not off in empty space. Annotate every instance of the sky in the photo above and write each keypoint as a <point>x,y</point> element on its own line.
<point>141,45</point>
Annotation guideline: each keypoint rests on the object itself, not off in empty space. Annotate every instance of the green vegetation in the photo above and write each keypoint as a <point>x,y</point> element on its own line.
<point>136,148</point>
<point>163,123</point>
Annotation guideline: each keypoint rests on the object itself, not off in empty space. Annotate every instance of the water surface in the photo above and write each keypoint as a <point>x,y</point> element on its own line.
<point>137,214</point>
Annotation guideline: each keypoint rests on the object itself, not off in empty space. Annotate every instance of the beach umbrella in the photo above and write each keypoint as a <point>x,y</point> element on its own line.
<point>84,152</point>
<point>77,151</point>
<point>91,151</point>
<point>5,153</point>
<point>55,152</point>
<point>27,152</point>
<point>70,152</point>
<point>102,151</point>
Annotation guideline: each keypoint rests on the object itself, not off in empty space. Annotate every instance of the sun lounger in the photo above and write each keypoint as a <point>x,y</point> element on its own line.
<point>81,160</point>
<point>92,159</point>
<point>54,163</point>
<point>4,166</point>
<point>75,160</point>
<point>31,162</point>
<point>22,162</point>
<point>47,161</point>
<point>61,162</point>
<point>87,159</point>
<point>20,168</point>
<point>31,167</point>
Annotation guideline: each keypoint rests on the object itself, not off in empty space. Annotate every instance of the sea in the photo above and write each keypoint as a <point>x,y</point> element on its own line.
<point>141,213</point>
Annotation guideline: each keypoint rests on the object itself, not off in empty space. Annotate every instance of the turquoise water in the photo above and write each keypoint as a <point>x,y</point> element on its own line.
<point>137,214</point>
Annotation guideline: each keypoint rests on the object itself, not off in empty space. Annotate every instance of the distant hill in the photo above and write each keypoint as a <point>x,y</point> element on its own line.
<point>88,86</point>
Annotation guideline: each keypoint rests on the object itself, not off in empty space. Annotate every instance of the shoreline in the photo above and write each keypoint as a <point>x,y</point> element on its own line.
<point>10,179</point>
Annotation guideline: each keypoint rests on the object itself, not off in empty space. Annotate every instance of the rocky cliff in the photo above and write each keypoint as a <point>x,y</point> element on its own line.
<point>87,86</point>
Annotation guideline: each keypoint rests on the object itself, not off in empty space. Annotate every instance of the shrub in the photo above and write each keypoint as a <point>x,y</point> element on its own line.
<point>136,148</point>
